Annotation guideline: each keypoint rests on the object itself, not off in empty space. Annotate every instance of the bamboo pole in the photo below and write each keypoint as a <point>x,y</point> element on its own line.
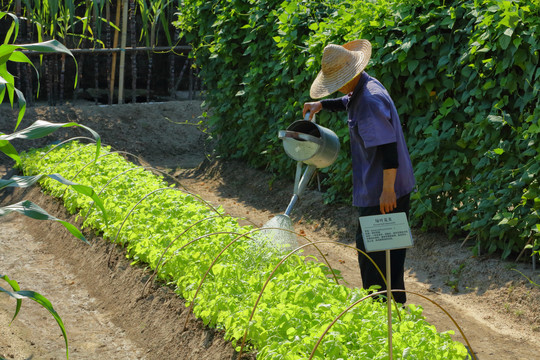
<point>48,63</point>
<point>179,80</point>
<point>18,8</point>
<point>134,54</point>
<point>190,93</point>
<point>150,60</point>
<point>123,53</point>
<point>62,77</point>
<point>56,80</point>
<point>108,44</point>
<point>115,44</point>
<point>18,14</point>
<point>149,78</point>
<point>29,93</point>
<point>81,67</point>
<point>172,91</point>
<point>95,57</point>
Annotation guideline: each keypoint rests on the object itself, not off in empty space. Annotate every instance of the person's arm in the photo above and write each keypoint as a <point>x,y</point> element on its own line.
<point>388,200</point>
<point>333,104</point>
<point>326,104</point>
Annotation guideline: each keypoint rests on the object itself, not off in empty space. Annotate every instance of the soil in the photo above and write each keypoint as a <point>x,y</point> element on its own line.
<point>104,311</point>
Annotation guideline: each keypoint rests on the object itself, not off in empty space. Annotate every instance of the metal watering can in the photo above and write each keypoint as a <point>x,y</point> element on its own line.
<point>311,144</point>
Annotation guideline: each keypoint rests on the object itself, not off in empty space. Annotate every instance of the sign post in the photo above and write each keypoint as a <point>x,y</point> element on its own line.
<point>384,233</point>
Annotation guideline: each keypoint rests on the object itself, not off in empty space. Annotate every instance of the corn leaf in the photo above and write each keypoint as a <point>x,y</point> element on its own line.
<point>50,46</point>
<point>13,28</point>
<point>38,130</point>
<point>27,181</point>
<point>22,106</point>
<point>43,301</point>
<point>33,211</point>
<point>15,286</point>
<point>8,53</point>
<point>9,150</point>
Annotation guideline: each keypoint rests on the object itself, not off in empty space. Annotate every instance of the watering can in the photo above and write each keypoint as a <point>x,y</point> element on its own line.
<point>310,144</point>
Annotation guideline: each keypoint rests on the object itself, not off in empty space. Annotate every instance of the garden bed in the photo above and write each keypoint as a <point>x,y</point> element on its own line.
<point>496,306</point>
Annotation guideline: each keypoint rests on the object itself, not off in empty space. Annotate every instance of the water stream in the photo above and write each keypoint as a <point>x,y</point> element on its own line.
<point>278,232</point>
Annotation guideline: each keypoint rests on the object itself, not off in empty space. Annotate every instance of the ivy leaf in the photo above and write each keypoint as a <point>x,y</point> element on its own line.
<point>510,20</point>
<point>505,38</point>
<point>412,65</point>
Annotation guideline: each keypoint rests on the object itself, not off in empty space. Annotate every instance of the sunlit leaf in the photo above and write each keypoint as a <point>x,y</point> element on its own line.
<point>33,211</point>
<point>27,181</point>
<point>42,128</point>
<point>44,302</point>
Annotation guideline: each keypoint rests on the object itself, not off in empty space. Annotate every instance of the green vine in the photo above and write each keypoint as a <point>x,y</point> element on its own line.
<point>464,76</point>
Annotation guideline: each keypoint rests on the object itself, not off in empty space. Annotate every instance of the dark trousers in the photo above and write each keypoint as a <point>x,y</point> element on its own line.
<point>370,275</point>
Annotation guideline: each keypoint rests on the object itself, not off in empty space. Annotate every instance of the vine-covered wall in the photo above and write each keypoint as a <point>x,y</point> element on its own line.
<point>464,76</point>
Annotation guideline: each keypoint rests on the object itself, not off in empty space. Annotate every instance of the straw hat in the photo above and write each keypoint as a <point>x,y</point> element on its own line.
<point>339,65</point>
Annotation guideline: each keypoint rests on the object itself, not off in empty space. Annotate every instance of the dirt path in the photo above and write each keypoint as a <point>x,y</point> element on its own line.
<point>28,260</point>
<point>102,307</point>
<point>498,309</point>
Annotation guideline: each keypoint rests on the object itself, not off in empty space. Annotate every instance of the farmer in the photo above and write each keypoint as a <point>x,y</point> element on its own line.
<point>382,171</point>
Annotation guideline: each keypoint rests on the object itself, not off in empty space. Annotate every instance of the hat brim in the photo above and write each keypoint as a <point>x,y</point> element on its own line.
<point>324,85</point>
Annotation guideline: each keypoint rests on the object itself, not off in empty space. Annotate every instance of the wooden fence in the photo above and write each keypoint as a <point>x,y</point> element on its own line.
<point>98,78</point>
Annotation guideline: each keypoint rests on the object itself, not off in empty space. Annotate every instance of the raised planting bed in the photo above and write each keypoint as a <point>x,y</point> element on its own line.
<point>220,267</point>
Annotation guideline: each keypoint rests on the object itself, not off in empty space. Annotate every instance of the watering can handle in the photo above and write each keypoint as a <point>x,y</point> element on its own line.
<point>307,117</point>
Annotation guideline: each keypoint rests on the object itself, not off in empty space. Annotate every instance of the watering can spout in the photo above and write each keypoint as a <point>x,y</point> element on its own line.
<point>293,201</point>
<point>301,185</point>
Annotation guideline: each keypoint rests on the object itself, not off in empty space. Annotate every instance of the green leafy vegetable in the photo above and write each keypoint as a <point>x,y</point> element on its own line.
<point>300,300</point>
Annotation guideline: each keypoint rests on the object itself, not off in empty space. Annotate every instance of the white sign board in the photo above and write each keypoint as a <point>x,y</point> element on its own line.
<point>386,232</point>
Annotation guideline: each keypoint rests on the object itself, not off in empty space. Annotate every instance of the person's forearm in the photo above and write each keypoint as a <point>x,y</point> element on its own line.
<point>333,105</point>
<point>389,179</point>
<point>388,201</point>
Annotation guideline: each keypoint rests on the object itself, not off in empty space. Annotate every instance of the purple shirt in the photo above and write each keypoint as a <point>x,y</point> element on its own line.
<point>373,121</point>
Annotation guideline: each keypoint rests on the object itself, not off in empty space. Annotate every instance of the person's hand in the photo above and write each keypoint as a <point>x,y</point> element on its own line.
<point>313,108</point>
<point>387,201</point>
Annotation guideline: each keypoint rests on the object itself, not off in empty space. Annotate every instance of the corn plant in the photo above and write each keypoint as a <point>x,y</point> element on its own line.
<point>152,14</point>
<point>37,130</point>
<point>20,295</point>
<point>69,22</point>
<point>9,52</point>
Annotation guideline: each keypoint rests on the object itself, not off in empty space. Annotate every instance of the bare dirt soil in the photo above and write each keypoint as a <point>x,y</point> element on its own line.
<point>103,310</point>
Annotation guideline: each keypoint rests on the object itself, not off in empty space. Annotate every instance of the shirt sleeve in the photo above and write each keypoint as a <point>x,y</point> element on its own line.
<point>333,104</point>
<point>375,126</point>
<point>390,155</point>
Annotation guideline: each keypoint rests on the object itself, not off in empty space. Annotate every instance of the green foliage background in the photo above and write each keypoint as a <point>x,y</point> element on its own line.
<point>464,76</point>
